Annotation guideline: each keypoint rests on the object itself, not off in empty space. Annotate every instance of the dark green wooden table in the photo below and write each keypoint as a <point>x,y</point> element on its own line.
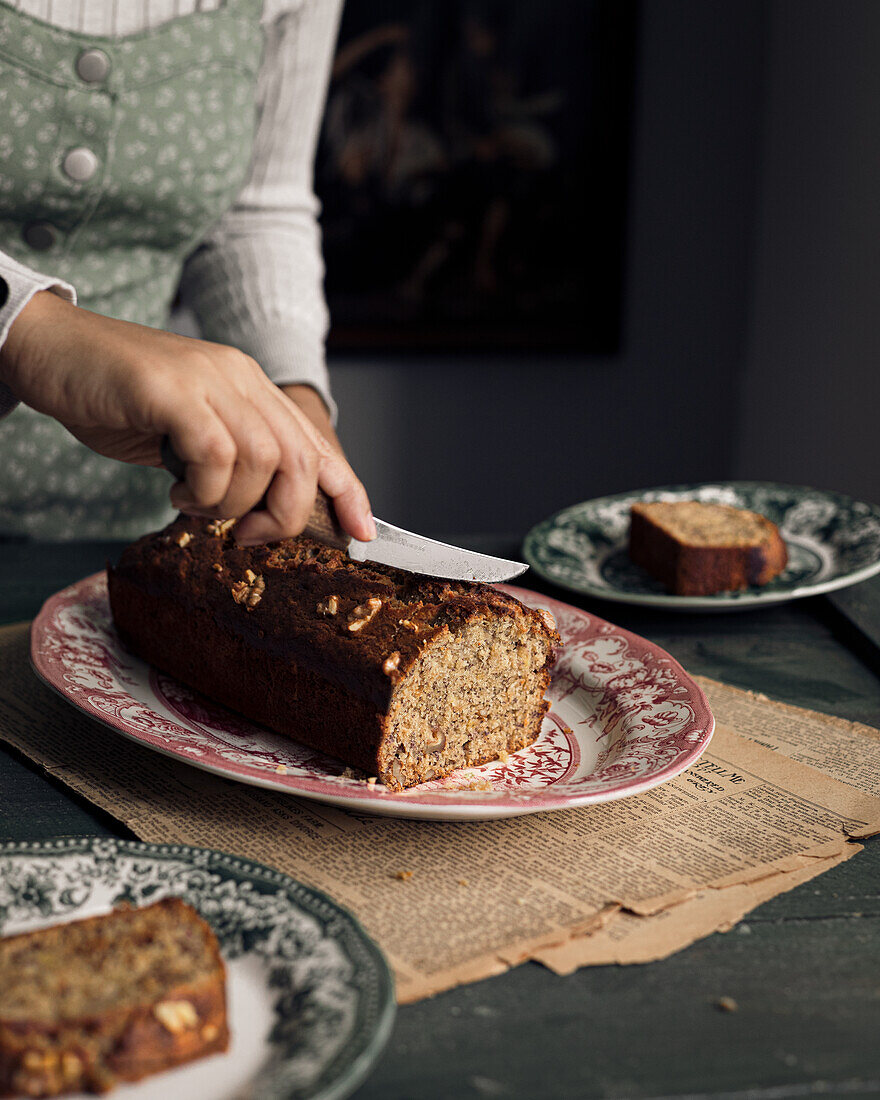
<point>804,969</point>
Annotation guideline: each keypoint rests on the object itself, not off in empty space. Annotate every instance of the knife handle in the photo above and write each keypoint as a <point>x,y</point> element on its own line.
<point>322,525</point>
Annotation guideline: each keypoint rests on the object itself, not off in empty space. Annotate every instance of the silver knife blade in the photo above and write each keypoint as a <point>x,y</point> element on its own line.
<point>405,550</point>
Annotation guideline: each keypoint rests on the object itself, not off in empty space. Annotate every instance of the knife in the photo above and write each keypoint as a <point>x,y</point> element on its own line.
<point>392,546</point>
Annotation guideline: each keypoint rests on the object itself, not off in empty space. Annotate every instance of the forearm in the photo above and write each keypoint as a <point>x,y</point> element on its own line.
<point>19,285</point>
<point>23,356</point>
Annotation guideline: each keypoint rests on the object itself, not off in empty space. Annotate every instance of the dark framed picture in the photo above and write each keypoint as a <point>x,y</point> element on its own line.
<point>472,170</point>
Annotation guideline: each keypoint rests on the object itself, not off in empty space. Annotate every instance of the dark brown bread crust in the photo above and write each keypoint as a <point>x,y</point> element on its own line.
<point>691,570</point>
<point>50,1058</point>
<point>296,635</point>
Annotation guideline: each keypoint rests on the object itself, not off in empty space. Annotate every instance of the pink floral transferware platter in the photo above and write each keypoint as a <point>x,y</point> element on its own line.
<point>625,717</point>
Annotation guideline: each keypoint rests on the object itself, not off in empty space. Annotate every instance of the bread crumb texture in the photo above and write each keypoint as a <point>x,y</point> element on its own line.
<point>702,524</point>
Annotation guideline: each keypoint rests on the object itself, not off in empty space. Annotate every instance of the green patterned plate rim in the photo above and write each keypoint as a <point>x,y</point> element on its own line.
<point>833,541</point>
<point>311,998</point>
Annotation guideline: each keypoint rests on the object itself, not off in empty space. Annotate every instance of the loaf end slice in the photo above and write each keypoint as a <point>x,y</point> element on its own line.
<point>113,998</point>
<point>699,549</point>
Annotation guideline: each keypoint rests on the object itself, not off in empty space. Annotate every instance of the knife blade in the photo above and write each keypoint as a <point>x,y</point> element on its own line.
<point>393,545</point>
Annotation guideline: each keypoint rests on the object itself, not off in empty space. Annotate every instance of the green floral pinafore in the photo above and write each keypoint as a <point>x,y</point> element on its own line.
<point>110,183</point>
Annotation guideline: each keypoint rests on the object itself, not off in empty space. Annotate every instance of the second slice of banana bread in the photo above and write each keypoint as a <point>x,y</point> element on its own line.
<point>89,1003</point>
<point>698,549</point>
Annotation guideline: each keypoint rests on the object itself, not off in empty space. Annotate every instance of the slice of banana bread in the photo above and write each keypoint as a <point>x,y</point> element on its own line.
<point>402,676</point>
<point>87,1004</point>
<point>698,549</point>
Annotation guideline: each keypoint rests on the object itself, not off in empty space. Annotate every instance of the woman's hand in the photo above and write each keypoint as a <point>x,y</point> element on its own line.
<point>120,387</point>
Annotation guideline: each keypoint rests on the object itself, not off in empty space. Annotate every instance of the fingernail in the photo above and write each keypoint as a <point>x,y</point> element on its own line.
<point>371,523</point>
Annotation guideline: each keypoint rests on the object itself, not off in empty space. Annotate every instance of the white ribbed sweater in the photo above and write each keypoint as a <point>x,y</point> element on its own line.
<point>256,281</point>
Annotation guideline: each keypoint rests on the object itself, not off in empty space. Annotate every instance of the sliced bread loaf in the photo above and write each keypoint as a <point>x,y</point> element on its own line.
<point>405,677</point>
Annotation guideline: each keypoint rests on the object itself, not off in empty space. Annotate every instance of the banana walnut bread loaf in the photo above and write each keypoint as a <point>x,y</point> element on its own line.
<point>90,1003</point>
<point>698,549</point>
<point>405,677</point>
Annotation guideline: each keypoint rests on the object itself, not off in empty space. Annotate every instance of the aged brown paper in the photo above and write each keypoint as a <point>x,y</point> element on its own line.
<point>834,746</point>
<point>848,751</point>
<point>630,938</point>
<point>624,881</point>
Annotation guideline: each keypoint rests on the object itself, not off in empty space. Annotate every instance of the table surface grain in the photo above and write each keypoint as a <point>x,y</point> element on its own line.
<point>804,969</point>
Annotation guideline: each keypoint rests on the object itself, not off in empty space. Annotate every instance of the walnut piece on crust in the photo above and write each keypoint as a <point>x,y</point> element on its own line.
<point>176,1016</point>
<point>364,613</point>
<point>219,527</point>
<point>249,591</point>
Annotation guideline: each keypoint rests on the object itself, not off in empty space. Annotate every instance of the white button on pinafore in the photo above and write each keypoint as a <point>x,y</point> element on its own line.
<point>80,164</point>
<point>92,66</point>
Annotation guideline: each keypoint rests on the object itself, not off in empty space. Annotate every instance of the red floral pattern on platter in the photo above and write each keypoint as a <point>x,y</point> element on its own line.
<point>625,717</point>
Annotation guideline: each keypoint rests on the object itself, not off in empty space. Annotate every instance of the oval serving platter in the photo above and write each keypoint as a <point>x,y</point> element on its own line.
<point>625,717</point>
<point>310,997</point>
<point>833,541</point>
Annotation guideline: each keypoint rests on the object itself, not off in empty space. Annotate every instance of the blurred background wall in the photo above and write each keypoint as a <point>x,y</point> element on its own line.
<point>494,443</point>
<point>751,324</point>
<point>809,386</point>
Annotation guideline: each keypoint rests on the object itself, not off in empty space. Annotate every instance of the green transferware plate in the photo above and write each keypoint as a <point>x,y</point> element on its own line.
<point>833,541</point>
<point>310,997</point>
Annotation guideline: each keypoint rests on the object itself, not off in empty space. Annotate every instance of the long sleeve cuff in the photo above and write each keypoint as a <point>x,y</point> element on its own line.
<point>21,284</point>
